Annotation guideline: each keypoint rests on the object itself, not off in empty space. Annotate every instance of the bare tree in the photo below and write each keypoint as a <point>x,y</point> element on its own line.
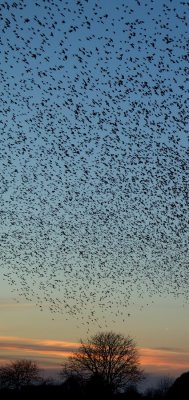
<point>108,355</point>
<point>19,373</point>
<point>164,385</point>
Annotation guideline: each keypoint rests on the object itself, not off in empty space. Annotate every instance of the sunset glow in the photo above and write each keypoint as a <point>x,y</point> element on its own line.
<point>50,353</point>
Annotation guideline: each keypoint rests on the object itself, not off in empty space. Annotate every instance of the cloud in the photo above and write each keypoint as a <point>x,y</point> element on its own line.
<point>50,353</point>
<point>160,359</point>
<point>56,346</point>
<point>173,349</point>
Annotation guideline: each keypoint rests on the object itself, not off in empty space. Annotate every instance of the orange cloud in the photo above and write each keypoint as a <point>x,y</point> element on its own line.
<point>38,351</point>
<point>50,353</point>
<point>160,358</point>
<point>48,342</point>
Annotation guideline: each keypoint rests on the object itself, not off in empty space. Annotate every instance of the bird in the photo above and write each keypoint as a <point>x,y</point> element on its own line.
<point>94,155</point>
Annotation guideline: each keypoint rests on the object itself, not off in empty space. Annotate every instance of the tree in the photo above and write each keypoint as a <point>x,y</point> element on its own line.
<point>19,373</point>
<point>108,355</point>
<point>163,386</point>
<point>72,387</point>
<point>180,388</point>
<point>161,390</point>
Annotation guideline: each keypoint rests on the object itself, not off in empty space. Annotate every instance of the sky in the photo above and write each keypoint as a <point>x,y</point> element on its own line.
<point>94,178</point>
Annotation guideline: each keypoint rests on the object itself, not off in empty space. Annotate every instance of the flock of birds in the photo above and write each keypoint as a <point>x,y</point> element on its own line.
<point>94,153</point>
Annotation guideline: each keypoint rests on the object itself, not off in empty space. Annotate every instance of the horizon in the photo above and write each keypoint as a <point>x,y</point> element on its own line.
<point>49,355</point>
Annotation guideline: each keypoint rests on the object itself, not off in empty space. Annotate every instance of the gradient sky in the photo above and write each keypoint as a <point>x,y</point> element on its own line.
<point>160,331</point>
<point>94,170</point>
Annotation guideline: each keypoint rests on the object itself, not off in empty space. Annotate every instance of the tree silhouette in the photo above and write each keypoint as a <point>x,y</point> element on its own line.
<point>19,373</point>
<point>108,355</point>
<point>180,388</point>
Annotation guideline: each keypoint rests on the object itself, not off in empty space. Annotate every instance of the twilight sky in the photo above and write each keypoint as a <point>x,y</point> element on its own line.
<point>94,177</point>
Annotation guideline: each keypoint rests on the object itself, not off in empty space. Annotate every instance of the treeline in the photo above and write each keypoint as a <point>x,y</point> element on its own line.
<point>94,389</point>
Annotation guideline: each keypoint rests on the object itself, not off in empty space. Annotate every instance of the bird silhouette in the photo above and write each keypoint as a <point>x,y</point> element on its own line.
<point>94,154</point>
